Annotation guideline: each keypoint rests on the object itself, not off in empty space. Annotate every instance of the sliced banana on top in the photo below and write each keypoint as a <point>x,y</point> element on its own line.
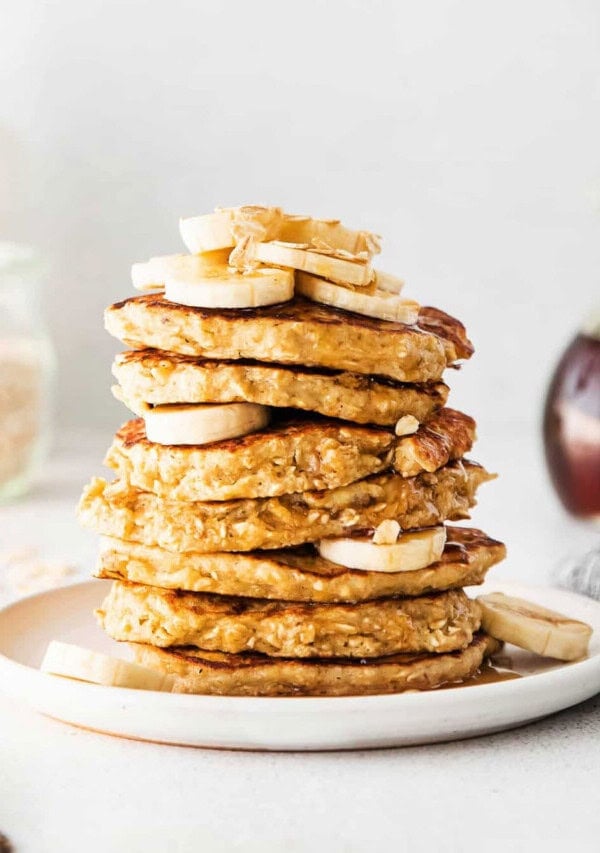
<point>70,661</point>
<point>226,227</point>
<point>388,282</point>
<point>207,233</point>
<point>218,286</point>
<point>290,255</point>
<point>532,627</point>
<point>152,274</point>
<point>328,233</point>
<point>412,551</point>
<point>207,281</point>
<point>371,303</point>
<point>203,423</point>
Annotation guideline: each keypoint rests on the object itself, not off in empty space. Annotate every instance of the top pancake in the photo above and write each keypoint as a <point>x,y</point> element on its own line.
<point>295,332</point>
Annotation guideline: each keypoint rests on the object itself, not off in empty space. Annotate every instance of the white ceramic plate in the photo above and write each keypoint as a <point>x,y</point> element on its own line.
<point>296,723</point>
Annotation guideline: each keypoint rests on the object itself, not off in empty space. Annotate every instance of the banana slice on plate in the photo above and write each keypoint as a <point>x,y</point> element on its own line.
<point>373,303</point>
<point>532,627</point>
<point>412,551</point>
<point>292,256</point>
<point>81,664</point>
<point>203,424</point>
<point>151,275</point>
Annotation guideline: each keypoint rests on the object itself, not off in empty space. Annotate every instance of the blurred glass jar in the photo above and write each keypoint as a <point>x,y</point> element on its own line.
<point>26,370</point>
<point>572,424</point>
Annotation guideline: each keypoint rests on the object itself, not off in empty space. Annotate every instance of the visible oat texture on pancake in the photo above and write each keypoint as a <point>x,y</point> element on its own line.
<point>143,614</point>
<point>297,574</point>
<point>252,674</point>
<point>295,332</point>
<point>293,456</point>
<point>151,378</point>
<point>244,525</point>
<point>290,456</point>
<point>447,435</point>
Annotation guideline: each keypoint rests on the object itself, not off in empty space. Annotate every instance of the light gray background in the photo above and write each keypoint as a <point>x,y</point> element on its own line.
<point>467,133</point>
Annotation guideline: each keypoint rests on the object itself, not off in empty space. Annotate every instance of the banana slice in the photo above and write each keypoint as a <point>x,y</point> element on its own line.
<point>412,551</point>
<point>388,282</point>
<point>327,233</point>
<point>74,662</point>
<point>207,233</point>
<point>151,275</point>
<point>203,424</point>
<point>226,227</point>
<point>535,628</point>
<point>218,286</point>
<point>349,270</point>
<point>374,303</point>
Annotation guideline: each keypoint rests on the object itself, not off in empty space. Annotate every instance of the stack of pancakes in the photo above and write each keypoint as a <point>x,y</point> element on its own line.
<point>214,548</point>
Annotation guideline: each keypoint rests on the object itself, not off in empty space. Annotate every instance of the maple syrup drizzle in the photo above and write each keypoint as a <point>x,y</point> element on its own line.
<point>488,674</point>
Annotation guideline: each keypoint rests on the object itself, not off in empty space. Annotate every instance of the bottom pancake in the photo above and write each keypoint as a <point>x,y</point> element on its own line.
<point>252,674</point>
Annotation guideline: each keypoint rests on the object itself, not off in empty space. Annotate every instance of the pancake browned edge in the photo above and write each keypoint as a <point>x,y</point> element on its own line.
<point>197,671</point>
<point>245,525</point>
<point>297,574</point>
<point>151,378</point>
<point>436,623</point>
<point>295,332</point>
<point>292,455</point>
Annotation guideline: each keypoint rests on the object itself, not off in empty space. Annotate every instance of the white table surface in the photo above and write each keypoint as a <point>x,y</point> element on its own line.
<point>62,789</point>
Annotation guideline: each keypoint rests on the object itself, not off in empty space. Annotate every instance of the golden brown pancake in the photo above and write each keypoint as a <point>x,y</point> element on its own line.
<point>253,674</point>
<point>295,332</point>
<point>244,525</point>
<point>295,455</point>
<point>435,623</point>
<point>297,574</point>
<point>151,378</point>
<point>292,455</point>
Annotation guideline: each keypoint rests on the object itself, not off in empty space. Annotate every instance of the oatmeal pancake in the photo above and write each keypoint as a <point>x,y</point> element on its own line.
<point>297,574</point>
<point>118,510</point>
<point>295,332</point>
<point>435,623</point>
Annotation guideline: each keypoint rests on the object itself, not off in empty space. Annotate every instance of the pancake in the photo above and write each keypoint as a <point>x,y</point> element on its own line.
<point>150,378</point>
<point>292,455</point>
<point>297,574</point>
<point>295,332</point>
<point>252,674</point>
<point>145,614</point>
<point>289,456</point>
<point>243,525</point>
